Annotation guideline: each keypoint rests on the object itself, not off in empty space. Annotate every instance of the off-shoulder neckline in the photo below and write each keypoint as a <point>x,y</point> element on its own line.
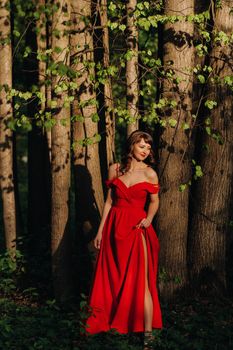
<point>138,183</point>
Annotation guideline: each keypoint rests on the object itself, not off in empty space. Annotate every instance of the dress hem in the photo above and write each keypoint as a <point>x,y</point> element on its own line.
<point>123,331</point>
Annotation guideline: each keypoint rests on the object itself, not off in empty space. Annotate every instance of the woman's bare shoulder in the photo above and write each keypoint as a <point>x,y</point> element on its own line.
<point>152,175</point>
<point>113,171</point>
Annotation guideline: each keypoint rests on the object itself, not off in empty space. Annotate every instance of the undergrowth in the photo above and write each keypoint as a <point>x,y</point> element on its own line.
<point>27,324</point>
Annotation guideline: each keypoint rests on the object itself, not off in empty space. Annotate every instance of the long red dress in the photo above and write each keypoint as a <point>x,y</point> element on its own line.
<point>118,289</point>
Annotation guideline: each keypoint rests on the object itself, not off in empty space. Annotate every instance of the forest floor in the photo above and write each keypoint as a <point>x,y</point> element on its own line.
<point>29,320</point>
<point>197,324</point>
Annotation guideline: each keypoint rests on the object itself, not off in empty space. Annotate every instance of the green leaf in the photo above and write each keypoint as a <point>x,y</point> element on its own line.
<point>201,78</point>
<point>185,126</point>
<point>53,104</point>
<point>122,27</point>
<point>36,15</point>
<point>228,80</point>
<point>163,123</point>
<point>210,104</point>
<point>198,171</point>
<point>95,117</point>
<point>144,23</point>
<point>182,187</point>
<point>11,124</point>
<point>172,122</point>
<point>62,68</point>
<point>129,54</point>
<point>158,62</point>
<point>48,124</point>
<point>113,25</point>
<point>27,51</point>
<point>173,103</point>
<point>97,137</point>
<point>77,118</point>
<point>208,130</point>
<point>64,121</point>
<point>16,33</point>
<point>112,7</point>
<point>57,49</point>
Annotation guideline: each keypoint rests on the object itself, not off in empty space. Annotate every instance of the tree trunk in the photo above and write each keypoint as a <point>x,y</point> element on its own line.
<point>87,173</point>
<point>41,47</point>
<point>86,155</point>
<point>61,267</point>
<point>132,67</point>
<point>212,193</point>
<point>44,43</point>
<point>6,137</point>
<point>48,89</point>
<point>39,184</point>
<point>174,167</point>
<point>108,96</point>
<point>198,88</point>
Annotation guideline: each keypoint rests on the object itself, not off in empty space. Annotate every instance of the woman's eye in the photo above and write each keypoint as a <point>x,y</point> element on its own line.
<point>147,148</point>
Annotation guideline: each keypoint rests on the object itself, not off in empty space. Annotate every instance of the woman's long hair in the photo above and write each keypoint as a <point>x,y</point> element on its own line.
<point>133,138</point>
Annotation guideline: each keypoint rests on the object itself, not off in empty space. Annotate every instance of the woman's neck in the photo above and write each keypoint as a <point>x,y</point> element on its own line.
<point>137,165</point>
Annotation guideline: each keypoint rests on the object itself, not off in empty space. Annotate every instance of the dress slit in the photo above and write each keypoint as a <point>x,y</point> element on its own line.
<point>124,292</point>
<point>145,250</point>
<point>146,273</point>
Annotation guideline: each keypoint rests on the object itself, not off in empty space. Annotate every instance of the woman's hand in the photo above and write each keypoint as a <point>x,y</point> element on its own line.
<point>144,223</point>
<point>97,240</point>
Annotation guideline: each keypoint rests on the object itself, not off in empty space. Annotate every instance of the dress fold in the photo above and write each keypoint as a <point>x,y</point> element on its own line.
<point>118,290</point>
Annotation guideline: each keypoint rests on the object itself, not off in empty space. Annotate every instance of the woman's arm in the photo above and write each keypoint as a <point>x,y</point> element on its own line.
<point>152,210</point>
<point>154,201</point>
<point>107,206</point>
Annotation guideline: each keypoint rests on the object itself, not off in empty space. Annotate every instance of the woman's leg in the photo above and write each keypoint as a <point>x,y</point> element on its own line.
<point>148,302</point>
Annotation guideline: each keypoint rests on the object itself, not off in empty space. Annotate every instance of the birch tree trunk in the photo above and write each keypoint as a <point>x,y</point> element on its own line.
<point>132,67</point>
<point>174,163</point>
<point>212,193</point>
<point>6,137</point>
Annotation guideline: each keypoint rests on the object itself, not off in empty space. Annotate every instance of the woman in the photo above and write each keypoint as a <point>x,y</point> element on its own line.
<point>124,294</point>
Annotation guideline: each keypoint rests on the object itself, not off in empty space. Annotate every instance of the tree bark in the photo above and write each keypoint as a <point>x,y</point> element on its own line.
<point>86,156</point>
<point>60,240</point>
<point>108,96</point>
<point>44,43</point>
<point>199,89</point>
<point>174,167</point>
<point>6,136</point>
<point>87,173</point>
<point>132,67</point>
<point>212,193</point>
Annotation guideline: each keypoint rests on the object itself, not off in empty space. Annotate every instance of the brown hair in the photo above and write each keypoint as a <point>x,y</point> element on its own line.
<point>133,138</point>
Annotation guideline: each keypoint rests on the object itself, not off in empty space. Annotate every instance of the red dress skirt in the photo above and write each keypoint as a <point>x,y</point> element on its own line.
<point>118,289</point>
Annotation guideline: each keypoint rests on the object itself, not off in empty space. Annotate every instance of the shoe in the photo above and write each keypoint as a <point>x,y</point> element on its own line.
<point>148,340</point>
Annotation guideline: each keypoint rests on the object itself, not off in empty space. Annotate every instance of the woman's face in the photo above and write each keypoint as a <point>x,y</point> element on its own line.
<point>141,150</point>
